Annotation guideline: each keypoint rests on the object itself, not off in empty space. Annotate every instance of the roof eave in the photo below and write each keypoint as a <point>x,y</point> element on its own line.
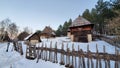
<point>82,25</point>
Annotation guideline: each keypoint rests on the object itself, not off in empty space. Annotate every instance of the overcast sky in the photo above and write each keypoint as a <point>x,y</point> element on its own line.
<point>36,14</point>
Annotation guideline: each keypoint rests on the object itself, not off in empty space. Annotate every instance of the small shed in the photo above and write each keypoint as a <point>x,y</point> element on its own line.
<point>81,30</point>
<point>47,32</point>
<point>33,38</point>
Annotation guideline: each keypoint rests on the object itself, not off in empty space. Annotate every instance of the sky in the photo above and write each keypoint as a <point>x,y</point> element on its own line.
<point>36,14</point>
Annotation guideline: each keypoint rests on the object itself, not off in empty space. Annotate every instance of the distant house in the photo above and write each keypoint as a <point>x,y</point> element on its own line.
<point>22,36</point>
<point>33,38</point>
<point>7,38</point>
<point>80,30</point>
<point>47,32</point>
<point>4,37</point>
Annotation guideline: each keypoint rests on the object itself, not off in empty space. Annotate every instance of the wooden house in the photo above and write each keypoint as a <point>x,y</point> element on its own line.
<point>22,36</point>
<point>47,32</point>
<point>81,30</point>
<point>33,38</point>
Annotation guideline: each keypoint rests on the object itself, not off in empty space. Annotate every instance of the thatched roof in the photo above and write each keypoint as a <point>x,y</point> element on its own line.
<point>22,35</point>
<point>48,30</point>
<point>80,21</point>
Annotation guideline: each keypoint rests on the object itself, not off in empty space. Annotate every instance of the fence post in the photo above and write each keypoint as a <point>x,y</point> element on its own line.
<point>42,51</point>
<point>105,56</point>
<point>45,52</point>
<point>50,51</point>
<point>72,54</point>
<point>117,53</point>
<point>98,59</point>
<point>79,55</point>
<point>67,56</point>
<point>92,64</point>
<point>55,54</point>
<point>62,55</point>
<point>88,66</point>
<point>116,61</point>
<point>75,61</point>
<point>96,56</point>
<point>38,54</point>
<point>108,61</point>
<point>83,60</point>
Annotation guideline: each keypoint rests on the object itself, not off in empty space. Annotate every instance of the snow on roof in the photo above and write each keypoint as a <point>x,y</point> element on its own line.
<point>28,36</point>
<point>53,33</point>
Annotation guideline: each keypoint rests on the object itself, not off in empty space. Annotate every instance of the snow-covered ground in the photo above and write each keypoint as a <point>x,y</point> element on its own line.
<point>12,59</point>
<point>92,45</point>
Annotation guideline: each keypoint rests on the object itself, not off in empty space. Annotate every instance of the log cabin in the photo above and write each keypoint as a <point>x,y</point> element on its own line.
<point>80,30</point>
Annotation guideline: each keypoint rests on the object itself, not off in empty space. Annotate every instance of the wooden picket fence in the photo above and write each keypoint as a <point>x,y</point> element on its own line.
<point>76,59</point>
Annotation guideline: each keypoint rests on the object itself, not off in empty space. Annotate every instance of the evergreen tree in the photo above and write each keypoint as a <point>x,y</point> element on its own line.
<point>59,31</point>
<point>86,14</point>
<point>69,22</point>
<point>62,30</point>
<point>100,15</point>
<point>65,27</point>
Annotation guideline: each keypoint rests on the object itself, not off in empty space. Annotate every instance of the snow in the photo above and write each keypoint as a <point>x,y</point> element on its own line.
<point>14,60</point>
<point>28,36</point>
<point>24,63</point>
<point>92,45</point>
<point>7,58</point>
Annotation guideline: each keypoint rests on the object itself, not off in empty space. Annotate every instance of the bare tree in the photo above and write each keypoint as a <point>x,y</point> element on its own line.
<point>4,25</point>
<point>13,30</point>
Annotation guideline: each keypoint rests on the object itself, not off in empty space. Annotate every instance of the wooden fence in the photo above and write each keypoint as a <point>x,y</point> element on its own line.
<point>114,41</point>
<point>111,41</point>
<point>75,59</point>
<point>16,46</point>
<point>19,48</point>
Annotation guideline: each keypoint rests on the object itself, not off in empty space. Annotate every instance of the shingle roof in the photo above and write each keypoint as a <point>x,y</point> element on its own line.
<point>80,21</point>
